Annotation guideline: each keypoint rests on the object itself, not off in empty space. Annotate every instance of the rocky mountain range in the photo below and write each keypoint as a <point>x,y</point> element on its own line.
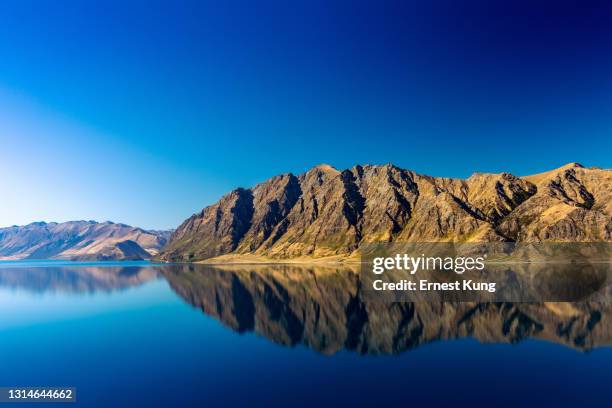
<point>80,240</point>
<point>327,213</point>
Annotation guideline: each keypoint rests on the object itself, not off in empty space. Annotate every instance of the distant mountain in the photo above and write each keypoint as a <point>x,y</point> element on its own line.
<point>330,213</point>
<point>80,240</point>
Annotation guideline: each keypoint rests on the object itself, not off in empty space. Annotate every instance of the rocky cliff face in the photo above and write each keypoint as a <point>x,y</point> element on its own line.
<point>325,308</point>
<point>80,240</point>
<point>325,212</point>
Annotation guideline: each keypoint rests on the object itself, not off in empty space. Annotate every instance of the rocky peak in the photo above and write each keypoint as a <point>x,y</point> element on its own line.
<point>326,168</point>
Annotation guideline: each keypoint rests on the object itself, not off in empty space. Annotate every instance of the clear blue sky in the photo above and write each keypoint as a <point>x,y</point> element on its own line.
<point>144,112</point>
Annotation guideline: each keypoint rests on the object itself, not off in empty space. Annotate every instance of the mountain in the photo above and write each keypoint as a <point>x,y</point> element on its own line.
<point>327,213</point>
<point>80,240</point>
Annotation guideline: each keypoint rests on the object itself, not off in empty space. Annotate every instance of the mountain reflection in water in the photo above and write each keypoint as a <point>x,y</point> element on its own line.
<point>75,279</point>
<point>327,308</point>
<point>324,309</point>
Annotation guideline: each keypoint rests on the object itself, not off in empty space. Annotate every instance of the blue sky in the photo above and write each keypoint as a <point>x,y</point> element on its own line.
<point>144,112</point>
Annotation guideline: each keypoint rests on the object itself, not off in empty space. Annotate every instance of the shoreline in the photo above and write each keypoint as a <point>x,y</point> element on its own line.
<point>255,260</point>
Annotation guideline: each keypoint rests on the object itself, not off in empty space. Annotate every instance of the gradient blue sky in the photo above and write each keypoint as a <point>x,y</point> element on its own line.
<point>144,112</point>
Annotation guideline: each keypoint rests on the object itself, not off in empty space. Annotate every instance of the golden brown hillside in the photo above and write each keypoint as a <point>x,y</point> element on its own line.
<point>329,213</point>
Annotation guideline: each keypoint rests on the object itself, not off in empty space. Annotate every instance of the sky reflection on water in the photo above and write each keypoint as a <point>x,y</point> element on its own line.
<point>146,345</point>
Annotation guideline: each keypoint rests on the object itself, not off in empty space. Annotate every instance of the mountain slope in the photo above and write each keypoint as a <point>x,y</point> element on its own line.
<point>329,213</point>
<point>80,240</point>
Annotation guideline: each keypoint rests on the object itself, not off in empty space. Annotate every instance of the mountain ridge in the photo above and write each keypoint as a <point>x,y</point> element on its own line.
<point>80,240</point>
<point>326,212</point>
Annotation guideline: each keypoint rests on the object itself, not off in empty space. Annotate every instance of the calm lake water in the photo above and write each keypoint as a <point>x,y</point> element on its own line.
<point>135,334</point>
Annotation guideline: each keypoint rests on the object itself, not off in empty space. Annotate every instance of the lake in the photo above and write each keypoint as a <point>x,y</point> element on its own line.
<point>139,334</point>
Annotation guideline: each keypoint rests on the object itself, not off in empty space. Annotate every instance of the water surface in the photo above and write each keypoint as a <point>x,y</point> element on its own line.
<point>143,335</point>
